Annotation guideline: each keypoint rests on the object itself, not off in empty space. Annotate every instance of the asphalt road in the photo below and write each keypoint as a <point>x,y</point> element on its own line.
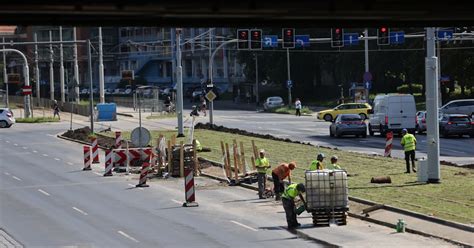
<point>46,200</point>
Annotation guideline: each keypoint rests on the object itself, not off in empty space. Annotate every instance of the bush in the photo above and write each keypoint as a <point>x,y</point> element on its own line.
<point>405,88</point>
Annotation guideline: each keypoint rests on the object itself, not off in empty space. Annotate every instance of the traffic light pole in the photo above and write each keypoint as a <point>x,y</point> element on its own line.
<point>289,75</point>
<point>179,84</point>
<point>5,75</point>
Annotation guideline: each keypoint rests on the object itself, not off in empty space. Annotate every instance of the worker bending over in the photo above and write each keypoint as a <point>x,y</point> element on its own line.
<point>279,174</point>
<point>288,200</point>
<point>262,165</point>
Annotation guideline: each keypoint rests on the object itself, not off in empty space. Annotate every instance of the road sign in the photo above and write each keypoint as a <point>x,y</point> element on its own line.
<point>26,90</point>
<point>368,85</point>
<point>270,41</point>
<point>289,83</point>
<point>302,41</point>
<point>13,78</point>
<point>351,39</point>
<point>140,136</point>
<point>211,96</point>
<point>445,34</point>
<point>397,37</point>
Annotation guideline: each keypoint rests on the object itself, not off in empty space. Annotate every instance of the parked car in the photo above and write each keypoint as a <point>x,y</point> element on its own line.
<point>128,91</point>
<point>420,121</point>
<point>273,102</point>
<point>361,109</point>
<point>393,112</point>
<point>456,124</point>
<point>348,124</point>
<point>6,118</point>
<point>464,106</point>
<point>84,91</point>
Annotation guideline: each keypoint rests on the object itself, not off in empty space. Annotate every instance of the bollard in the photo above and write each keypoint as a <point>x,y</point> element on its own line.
<point>109,165</point>
<point>95,150</point>
<point>143,175</point>
<point>87,158</point>
<point>400,227</point>
<point>189,192</point>
<point>118,139</point>
<point>388,145</point>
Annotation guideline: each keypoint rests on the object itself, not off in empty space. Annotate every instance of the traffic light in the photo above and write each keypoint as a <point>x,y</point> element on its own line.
<point>243,36</point>
<point>256,39</point>
<point>288,38</point>
<point>383,36</point>
<point>337,37</point>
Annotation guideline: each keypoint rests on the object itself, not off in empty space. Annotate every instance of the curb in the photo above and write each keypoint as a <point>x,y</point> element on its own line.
<point>123,114</point>
<point>78,141</point>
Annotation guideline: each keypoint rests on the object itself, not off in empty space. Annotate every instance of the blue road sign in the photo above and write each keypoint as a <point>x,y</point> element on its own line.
<point>445,34</point>
<point>289,83</point>
<point>270,41</point>
<point>368,85</point>
<point>302,41</point>
<point>351,39</point>
<point>397,37</point>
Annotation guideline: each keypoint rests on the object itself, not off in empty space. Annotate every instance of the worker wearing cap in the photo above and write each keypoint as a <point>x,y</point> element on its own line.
<point>288,200</point>
<point>262,165</point>
<point>334,165</point>
<point>318,163</point>
<point>409,145</point>
<point>279,174</point>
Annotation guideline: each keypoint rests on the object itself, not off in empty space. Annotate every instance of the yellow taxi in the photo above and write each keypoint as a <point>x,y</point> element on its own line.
<point>361,109</point>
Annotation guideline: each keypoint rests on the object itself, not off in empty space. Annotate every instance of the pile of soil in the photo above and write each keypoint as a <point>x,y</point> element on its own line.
<point>83,134</point>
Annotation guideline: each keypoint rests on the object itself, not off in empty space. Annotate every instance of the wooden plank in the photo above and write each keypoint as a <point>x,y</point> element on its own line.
<point>228,160</point>
<point>170,156</point>
<point>254,148</point>
<point>181,159</point>
<point>236,163</point>
<point>237,156</point>
<point>242,157</point>
<point>173,139</point>
<point>253,163</point>
<point>226,165</point>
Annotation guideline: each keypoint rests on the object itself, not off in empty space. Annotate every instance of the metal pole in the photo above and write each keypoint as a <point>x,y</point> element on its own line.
<point>179,84</point>
<point>256,81</point>
<point>289,75</point>
<point>211,103</point>
<point>37,76</point>
<point>76,66</point>
<point>101,68</point>
<point>366,43</point>
<point>5,76</point>
<point>438,52</point>
<point>432,134</point>
<point>61,65</point>
<point>91,94</point>
<point>51,67</point>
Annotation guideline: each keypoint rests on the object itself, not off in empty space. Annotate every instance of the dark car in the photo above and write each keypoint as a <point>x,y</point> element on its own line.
<point>456,124</point>
<point>348,124</point>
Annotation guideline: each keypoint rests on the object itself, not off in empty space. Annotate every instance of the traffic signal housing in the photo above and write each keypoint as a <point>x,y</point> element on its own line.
<point>256,39</point>
<point>288,38</point>
<point>383,36</point>
<point>337,37</point>
<point>243,36</point>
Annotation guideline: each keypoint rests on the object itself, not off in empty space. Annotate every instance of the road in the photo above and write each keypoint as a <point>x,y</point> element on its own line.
<point>46,200</point>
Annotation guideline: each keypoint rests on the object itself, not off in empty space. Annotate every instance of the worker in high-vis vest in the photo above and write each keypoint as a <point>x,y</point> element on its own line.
<point>198,146</point>
<point>333,165</point>
<point>409,145</point>
<point>318,163</point>
<point>288,200</point>
<point>262,164</point>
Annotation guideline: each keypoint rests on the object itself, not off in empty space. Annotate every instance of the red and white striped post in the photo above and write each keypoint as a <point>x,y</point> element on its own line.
<point>95,150</point>
<point>189,189</point>
<point>87,158</point>
<point>109,165</point>
<point>388,144</point>
<point>118,139</point>
<point>143,175</point>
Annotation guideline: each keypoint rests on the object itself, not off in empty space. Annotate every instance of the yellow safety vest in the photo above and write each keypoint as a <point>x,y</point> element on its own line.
<point>316,165</point>
<point>290,192</point>
<point>333,167</point>
<point>198,146</point>
<point>262,165</point>
<point>408,142</point>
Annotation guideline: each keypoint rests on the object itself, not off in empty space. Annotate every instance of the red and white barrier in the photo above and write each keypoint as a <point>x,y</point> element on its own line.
<point>143,175</point>
<point>189,189</point>
<point>118,139</point>
<point>87,158</point>
<point>95,150</point>
<point>388,144</point>
<point>109,165</point>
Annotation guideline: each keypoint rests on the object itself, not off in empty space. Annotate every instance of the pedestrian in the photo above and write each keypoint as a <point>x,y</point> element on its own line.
<point>318,163</point>
<point>247,95</point>
<point>288,200</point>
<point>56,109</point>
<point>409,145</point>
<point>168,104</point>
<point>279,174</point>
<point>203,105</point>
<point>334,165</point>
<point>262,165</point>
<point>298,107</point>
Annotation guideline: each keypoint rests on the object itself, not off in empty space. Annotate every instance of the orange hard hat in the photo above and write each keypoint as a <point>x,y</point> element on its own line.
<point>292,165</point>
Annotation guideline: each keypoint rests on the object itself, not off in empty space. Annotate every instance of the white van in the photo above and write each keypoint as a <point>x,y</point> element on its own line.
<point>393,112</point>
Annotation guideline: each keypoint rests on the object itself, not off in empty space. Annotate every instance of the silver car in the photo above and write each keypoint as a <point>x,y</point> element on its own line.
<point>273,102</point>
<point>421,122</point>
<point>348,124</point>
<point>6,118</point>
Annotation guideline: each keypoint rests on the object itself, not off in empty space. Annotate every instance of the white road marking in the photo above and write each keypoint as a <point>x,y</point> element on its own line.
<point>454,151</point>
<point>176,201</point>
<point>80,211</point>
<point>245,226</point>
<point>7,141</point>
<point>16,178</point>
<point>50,135</point>
<point>15,144</point>
<point>57,159</point>
<point>128,236</point>
<point>97,173</point>
<point>69,163</point>
<point>35,151</point>
<point>131,185</point>
<point>45,155</point>
<point>6,173</point>
<point>44,192</point>
<point>24,147</point>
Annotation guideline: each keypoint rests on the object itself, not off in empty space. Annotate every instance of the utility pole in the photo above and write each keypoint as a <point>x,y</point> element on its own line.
<point>5,76</point>
<point>179,84</point>
<point>432,82</point>
<point>211,103</point>
<point>438,54</point>
<point>76,65</point>
<point>257,100</point>
<point>366,52</point>
<point>51,67</point>
<point>91,94</point>
<point>101,68</point>
<point>37,76</point>
<point>289,75</point>
<point>61,63</point>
